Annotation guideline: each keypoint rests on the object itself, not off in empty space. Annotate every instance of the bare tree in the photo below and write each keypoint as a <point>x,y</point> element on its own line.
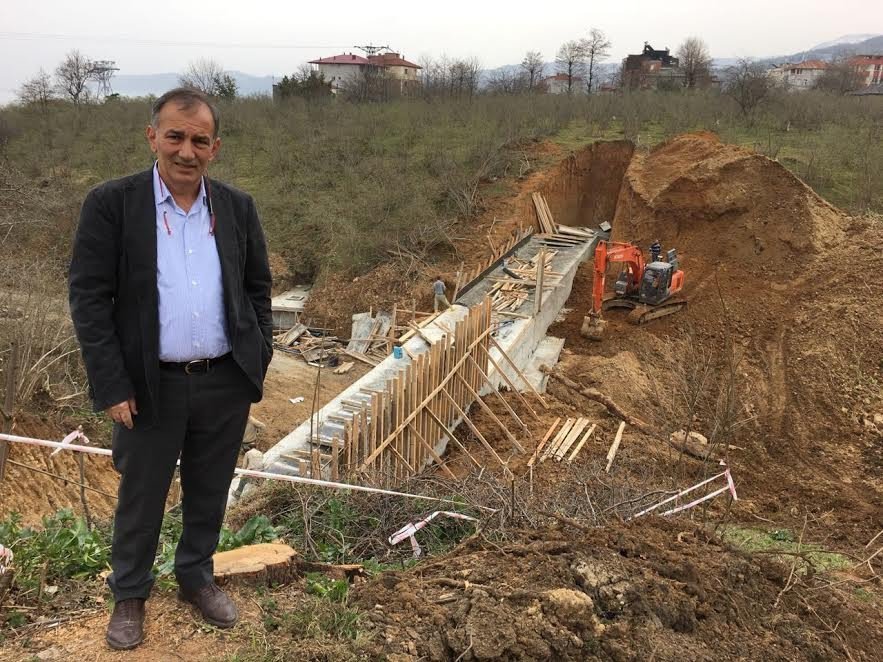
<point>570,62</point>
<point>508,82</point>
<point>208,76</point>
<point>37,91</point>
<point>73,75</point>
<point>596,49</point>
<point>747,82</point>
<point>840,76</point>
<point>532,65</point>
<point>695,62</point>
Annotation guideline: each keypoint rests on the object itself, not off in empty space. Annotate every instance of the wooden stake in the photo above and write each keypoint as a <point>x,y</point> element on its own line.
<point>8,405</point>
<point>493,416</point>
<point>508,381</point>
<point>477,432</point>
<point>538,293</point>
<point>562,434</point>
<point>438,389</point>
<point>431,451</point>
<point>614,447</point>
<point>568,441</point>
<point>580,444</point>
<point>533,458</point>
<point>453,438</point>
<point>511,411</point>
<point>520,374</point>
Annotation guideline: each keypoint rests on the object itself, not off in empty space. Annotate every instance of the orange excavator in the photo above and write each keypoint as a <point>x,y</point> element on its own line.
<point>644,289</point>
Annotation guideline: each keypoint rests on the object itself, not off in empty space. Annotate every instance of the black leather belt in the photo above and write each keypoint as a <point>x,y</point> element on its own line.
<point>199,366</point>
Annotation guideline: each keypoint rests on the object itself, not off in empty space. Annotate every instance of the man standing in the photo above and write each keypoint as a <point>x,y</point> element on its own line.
<point>439,299</point>
<point>655,251</point>
<point>170,298</point>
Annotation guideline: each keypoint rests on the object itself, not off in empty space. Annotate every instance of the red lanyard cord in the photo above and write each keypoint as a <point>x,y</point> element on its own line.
<point>207,202</point>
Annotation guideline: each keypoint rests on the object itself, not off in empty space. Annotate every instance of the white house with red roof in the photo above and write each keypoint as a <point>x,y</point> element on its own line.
<point>348,67</point>
<point>800,76</point>
<point>557,84</point>
<point>869,69</point>
<point>341,69</point>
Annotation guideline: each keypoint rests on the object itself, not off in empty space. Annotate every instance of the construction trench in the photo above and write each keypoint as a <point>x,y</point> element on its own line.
<point>585,198</point>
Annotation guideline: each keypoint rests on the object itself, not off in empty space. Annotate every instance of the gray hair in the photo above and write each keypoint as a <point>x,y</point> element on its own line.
<point>186,98</point>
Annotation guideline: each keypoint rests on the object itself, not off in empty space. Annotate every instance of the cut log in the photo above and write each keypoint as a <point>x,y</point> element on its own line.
<point>256,565</point>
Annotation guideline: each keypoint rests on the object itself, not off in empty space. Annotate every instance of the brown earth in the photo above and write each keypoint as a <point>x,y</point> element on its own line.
<point>35,494</point>
<point>656,589</point>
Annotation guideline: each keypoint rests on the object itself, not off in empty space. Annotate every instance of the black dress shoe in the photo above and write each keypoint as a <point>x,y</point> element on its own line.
<point>216,608</point>
<point>126,627</point>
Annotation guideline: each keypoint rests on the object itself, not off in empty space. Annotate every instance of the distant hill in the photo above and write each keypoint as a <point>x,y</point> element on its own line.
<point>872,45</point>
<point>139,85</point>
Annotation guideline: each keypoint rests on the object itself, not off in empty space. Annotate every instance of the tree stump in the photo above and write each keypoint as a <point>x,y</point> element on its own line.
<point>257,565</point>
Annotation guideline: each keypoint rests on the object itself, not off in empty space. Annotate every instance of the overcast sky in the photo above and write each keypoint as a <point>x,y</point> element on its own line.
<point>273,37</point>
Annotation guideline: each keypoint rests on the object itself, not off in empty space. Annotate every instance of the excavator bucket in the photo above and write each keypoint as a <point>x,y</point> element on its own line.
<point>593,327</point>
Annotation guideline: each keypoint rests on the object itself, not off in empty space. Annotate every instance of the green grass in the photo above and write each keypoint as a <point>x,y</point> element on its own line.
<point>784,540</point>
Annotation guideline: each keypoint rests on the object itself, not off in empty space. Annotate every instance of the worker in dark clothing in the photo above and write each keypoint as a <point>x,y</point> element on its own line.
<point>655,251</point>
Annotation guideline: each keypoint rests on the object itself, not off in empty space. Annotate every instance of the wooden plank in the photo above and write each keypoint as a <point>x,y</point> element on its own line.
<point>614,447</point>
<point>542,443</point>
<point>562,433</point>
<point>541,270</point>
<point>581,443</point>
<point>360,357</point>
<point>438,389</point>
<point>565,445</point>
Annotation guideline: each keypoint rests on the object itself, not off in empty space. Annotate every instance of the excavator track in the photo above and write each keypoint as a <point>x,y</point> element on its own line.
<point>644,314</point>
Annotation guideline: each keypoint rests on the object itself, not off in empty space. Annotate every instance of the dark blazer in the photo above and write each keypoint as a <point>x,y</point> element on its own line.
<point>114,299</point>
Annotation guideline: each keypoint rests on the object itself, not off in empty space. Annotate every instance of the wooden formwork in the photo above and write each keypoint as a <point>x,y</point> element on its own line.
<point>395,435</point>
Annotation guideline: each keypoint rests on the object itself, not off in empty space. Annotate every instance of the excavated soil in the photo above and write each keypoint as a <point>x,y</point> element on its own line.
<point>652,590</point>
<point>774,268</point>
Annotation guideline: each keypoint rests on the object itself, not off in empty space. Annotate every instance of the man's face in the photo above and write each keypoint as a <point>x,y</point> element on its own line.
<point>183,143</point>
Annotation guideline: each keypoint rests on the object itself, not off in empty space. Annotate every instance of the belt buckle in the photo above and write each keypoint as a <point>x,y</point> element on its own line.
<point>191,366</point>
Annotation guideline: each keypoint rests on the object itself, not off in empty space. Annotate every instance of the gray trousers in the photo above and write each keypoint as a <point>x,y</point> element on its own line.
<point>440,301</point>
<point>202,419</point>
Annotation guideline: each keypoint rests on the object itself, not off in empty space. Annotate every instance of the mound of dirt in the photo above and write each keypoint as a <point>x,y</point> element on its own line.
<point>655,589</point>
<point>725,203</point>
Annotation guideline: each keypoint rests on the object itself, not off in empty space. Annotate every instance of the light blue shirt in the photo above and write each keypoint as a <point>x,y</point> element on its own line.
<point>192,321</point>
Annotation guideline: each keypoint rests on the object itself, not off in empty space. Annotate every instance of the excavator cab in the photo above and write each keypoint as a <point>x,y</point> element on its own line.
<point>655,283</point>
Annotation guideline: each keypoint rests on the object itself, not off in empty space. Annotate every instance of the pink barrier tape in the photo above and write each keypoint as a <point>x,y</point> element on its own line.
<point>250,473</point>
<point>411,528</point>
<point>60,445</point>
<point>729,487</point>
<point>6,557</point>
<point>76,434</point>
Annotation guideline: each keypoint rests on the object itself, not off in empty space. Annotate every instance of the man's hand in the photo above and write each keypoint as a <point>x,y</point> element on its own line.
<point>123,412</point>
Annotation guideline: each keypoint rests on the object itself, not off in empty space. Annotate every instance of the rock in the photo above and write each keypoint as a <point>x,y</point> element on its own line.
<point>573,609</point>
<point>591,576</point>
<point>680,436</point>
<point>53,653</point>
